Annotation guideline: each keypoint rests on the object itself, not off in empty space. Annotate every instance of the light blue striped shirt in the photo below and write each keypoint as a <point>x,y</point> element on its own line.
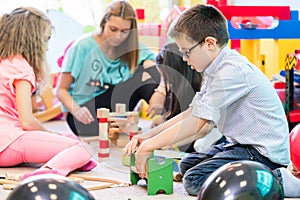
<point>243,103</point>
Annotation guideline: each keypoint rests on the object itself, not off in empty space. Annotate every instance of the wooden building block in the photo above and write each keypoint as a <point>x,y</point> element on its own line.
<point>160,175</point>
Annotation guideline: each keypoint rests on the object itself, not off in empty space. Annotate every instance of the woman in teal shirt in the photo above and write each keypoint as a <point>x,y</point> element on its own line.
<point>104,68</point>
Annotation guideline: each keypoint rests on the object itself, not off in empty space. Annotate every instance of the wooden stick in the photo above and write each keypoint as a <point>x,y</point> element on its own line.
<point>114,125</point>
<point>8,186</point>
<point>5,181</point>
<point>77,180</point>
<point>100,179</point>
<point>13,177</point>
<point>99,187</point>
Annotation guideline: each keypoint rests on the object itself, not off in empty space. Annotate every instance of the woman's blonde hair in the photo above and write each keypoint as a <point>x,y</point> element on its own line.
<point>129,49</point>
<point>23,32</point>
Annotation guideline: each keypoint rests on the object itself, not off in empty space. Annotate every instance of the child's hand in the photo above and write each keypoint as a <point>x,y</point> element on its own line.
<point>141,159</point>
<point>133,145</point>
<point>156,104</point>
<point>157,120</point>
<point>155,109</point>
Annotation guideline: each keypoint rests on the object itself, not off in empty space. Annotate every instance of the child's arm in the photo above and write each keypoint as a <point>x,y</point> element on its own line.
<point>138,139</point>
<point>187,127</point>
<point>24,106</point>
<point>157,100</point>
<point>201,133</point>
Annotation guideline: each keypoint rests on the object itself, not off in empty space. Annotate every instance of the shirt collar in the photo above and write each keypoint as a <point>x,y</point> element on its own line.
<point>210,70</point>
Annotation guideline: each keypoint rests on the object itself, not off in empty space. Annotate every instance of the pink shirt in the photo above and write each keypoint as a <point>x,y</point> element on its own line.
<point>11,70</point>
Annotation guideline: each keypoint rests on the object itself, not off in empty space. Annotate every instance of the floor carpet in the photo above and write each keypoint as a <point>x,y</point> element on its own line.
<point>111,167</point>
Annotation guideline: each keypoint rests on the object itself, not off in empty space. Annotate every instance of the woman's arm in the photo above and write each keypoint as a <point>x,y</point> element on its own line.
<point>82,114</point>
<point>24,106</point>
<point>64,82</point>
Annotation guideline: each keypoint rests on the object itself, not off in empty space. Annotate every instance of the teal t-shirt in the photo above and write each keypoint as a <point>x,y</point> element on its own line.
<point>92,70</point>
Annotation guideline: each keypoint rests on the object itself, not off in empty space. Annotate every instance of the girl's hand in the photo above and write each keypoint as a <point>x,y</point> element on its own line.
<point>157,120</point>
<point>155,109</point>
<point>156,104</point>
<point>83,115</point>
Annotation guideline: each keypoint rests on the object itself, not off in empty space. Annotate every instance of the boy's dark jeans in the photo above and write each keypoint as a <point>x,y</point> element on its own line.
<point>197,167</point>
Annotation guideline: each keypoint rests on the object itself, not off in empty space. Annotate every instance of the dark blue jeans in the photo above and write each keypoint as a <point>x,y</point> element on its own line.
<point>197,167</point>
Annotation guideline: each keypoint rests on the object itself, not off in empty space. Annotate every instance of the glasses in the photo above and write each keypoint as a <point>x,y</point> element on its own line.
<point>187,52</point>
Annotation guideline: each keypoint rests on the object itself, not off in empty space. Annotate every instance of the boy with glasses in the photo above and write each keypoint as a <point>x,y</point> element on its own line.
<point>235,95</point>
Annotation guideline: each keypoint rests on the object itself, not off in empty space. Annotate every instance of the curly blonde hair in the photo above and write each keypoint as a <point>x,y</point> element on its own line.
<point>23,32</point>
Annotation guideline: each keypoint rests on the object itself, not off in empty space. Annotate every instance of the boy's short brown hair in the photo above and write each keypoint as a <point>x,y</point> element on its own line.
<point>199,22</point>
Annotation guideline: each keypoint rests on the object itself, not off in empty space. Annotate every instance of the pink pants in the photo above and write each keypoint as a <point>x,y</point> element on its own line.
<point>57,152</point>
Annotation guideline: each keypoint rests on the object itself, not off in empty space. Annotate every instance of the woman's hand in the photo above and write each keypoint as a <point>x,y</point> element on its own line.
<point>83,115</point>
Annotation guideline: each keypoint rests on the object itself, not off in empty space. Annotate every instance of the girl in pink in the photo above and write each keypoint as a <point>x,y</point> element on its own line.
<point>24,35</point>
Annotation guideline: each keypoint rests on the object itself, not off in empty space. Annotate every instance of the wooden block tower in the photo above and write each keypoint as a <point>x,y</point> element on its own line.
<point>103,114</point>
<point>109,130</point>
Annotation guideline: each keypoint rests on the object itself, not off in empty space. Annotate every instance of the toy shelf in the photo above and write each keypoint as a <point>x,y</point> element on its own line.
<point>286,29</point>
<point>292,63</point>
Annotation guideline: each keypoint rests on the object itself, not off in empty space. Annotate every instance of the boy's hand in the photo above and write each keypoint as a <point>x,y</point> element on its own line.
<point>141,159</point>
<point>133,145</point>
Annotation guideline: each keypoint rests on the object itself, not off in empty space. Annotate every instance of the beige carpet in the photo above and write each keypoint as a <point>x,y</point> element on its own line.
<point>111,168</point>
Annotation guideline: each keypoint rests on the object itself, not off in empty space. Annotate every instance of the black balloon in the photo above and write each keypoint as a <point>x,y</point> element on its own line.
<point>48,188</point>
<point>242,180</point>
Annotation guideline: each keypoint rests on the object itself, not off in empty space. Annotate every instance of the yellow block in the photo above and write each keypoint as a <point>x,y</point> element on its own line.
<point>141,108</point>
<point>125,159</point>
